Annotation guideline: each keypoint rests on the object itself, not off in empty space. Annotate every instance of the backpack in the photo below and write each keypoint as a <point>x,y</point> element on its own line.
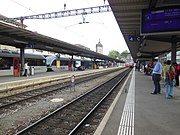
<point>170,75</point>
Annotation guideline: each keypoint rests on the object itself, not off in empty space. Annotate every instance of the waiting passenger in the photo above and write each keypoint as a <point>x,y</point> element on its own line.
<point>177,72</point>
<point>148,69</point>
<point>169,77</point>
<point>26,67</point>
<point>157,71</point>
<point>164,64</point>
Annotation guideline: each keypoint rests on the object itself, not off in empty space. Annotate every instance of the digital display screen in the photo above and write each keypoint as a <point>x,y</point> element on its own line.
<point>160,20</point>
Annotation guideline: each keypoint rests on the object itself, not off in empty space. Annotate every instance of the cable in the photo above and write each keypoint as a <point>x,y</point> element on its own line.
<point>97,15</point>
<point>49,20</point>
<point>22,6</point>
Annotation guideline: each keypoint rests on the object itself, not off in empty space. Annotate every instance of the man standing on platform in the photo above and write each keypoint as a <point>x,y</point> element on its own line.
<point>157,71</point>
<point>26,67</point>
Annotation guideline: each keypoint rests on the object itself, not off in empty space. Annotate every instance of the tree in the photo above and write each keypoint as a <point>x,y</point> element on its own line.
<point>124,54</point>
<point>114,54</point>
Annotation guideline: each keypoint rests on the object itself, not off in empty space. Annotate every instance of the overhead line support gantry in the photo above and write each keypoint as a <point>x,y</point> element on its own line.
<point>65,13</point>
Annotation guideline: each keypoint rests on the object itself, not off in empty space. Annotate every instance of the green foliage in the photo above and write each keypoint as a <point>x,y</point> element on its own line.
<point>114,54</point>
<point>124,54</point>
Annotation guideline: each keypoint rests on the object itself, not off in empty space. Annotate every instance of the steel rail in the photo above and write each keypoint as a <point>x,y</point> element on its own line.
<point>61,108</point>
<point>95,107</point>
<point>44,92</point>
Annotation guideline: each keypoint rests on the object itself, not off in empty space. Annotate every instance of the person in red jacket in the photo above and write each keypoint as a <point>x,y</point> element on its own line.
<point>177,72</point>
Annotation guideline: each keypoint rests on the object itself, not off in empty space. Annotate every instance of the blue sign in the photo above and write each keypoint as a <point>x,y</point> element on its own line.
<point>134,38</point>
<point>160,20</point>
<point>58,56</point>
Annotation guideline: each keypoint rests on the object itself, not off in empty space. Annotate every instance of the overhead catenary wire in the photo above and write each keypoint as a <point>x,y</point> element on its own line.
<point>104,25</point>
<point>77,34</point>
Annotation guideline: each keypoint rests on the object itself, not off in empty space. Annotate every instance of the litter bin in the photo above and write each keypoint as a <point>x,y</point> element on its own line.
<point>31,70</point>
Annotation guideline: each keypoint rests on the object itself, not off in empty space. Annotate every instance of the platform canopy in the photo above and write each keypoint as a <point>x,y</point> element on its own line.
<point>128,16</point>
<point>18,37</point>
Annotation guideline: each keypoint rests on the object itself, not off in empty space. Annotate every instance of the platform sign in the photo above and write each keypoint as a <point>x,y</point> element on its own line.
<point>58,64</point>
<point>58,56</point>
<point>134,38</point>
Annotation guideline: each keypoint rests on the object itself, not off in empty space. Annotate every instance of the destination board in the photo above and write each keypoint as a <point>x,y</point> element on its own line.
<point>163,20</point>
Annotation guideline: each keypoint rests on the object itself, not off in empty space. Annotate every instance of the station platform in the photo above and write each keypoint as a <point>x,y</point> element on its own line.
<point>8,83</point>
<point>5,79</point>
<point>137,112</point>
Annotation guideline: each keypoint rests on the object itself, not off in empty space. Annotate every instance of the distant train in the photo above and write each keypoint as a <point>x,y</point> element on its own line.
<point>130,65</point>
<point>63,63</point>
<point>55,63</point>
<point>10,63</point>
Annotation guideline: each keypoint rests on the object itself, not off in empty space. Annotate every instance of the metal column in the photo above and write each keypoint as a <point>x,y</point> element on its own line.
<point>173,50</point>
<point>22,60</point>
<point>72,63</point>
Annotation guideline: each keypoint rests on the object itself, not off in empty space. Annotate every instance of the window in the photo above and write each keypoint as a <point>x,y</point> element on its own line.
<point>64,62</point>
<point>36,62</point>
<point>5,63</point>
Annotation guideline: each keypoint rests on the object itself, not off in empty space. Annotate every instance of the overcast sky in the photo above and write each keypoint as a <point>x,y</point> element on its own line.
<point>101,26</point>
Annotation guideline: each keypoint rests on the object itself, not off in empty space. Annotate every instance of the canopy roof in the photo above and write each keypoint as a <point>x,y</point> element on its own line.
<point>128,17</point>
<point>18,37</point>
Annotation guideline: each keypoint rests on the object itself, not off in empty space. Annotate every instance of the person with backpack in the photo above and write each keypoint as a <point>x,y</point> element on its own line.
<point>169,75</point>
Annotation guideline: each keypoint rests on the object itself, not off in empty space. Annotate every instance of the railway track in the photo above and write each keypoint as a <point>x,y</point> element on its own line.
<point>21,98</point>
<point>69,118</point>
